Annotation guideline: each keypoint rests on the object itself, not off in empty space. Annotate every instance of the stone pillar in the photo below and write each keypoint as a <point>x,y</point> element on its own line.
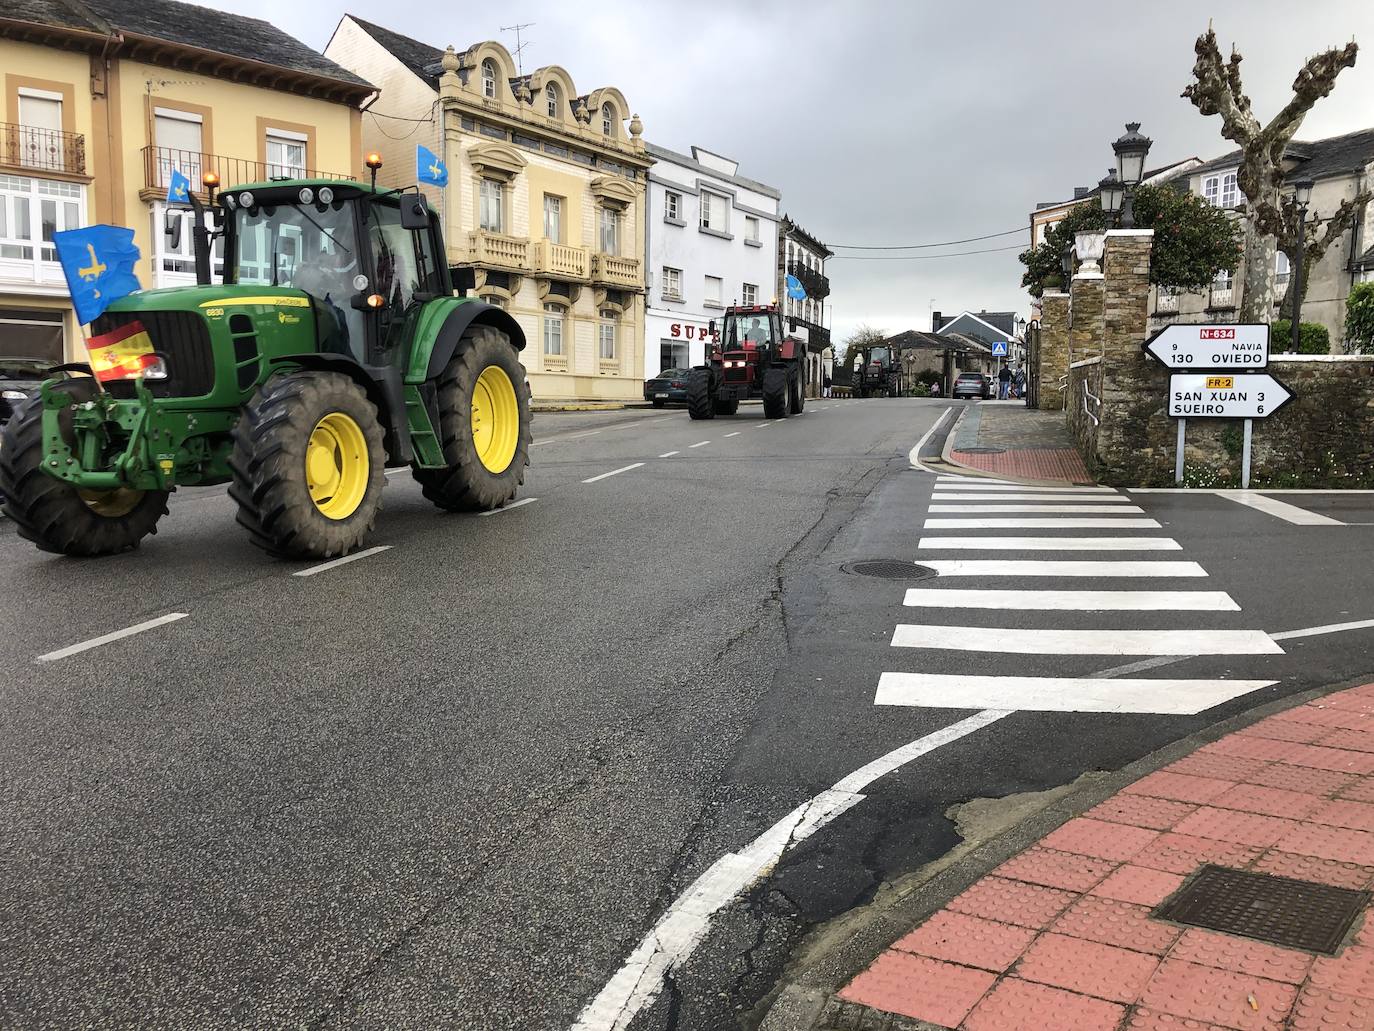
<point>1133,439</point>
<point>1085,315</point>
<point>1054,348</point>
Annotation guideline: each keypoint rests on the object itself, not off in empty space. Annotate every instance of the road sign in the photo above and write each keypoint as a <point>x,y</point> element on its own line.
<point>999,348</point>
<point>1211,347</point>
<point>1201,395</point>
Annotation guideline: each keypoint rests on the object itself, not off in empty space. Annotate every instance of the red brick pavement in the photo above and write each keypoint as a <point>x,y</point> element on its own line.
<point>1029,463</point>
<point>1062,936</point>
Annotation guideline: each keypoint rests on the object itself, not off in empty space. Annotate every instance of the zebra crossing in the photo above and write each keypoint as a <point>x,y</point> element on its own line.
<point>990,630</point>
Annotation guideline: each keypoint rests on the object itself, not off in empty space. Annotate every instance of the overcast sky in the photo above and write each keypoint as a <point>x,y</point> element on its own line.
<point>906,121</point>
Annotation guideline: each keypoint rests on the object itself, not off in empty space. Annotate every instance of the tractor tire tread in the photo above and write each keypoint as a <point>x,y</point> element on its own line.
<point>700,402</point>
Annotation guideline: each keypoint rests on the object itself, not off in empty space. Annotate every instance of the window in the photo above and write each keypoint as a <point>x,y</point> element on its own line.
<point>749,295</point>
<point>607,120</point>
<point>31,210</point>
<point>751,228</point>
<point>1281,269</point>
<point>610,231</point>
<point>551,99</point>
<point>179,144</point>
<point>713,291</point>
<point>173,266</point>
<point>606,334</point>
<point>553,330</point>
<point>553,218</point>
<point>672,206</point>
<point>672,283</point>
<point>715,212</point>
<point>489,78</point>
<point>1220,190</point>
<point>40,133</point>
<point>1229,193</point>
<point>496,301</point>
<point>285,154</point>
<point>31,333</point>
<point>490,202</point>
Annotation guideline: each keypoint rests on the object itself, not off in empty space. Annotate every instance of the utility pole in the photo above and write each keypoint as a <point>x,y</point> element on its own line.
<point>520,44</point>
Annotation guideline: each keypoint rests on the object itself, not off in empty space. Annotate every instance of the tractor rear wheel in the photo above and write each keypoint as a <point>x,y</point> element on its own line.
<point>484,425</point>
<point>700,403</point>
<point>55,515</point>
<point>775,387</point>
<point>796,392</point>
<point>308,465</point>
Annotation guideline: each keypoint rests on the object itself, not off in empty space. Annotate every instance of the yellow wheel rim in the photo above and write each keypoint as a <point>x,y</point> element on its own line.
<point>111,503</point>
<point>336,466</point>
<point>495,419</point>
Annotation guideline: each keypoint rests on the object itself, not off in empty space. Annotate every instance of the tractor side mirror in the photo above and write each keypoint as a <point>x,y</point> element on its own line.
<point>463,278</point>
<point>171,226</point>
<point>414,212</point>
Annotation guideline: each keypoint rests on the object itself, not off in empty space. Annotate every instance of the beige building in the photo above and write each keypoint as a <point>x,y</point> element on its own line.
<point>545,198</point>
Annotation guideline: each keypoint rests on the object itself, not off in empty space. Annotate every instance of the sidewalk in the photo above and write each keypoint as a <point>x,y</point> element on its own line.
<point>1005,438</point>
<point>1069,934</point>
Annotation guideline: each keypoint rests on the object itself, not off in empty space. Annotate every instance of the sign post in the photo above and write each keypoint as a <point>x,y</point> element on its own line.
<point>1178,452</point>
<point>1245,456</point>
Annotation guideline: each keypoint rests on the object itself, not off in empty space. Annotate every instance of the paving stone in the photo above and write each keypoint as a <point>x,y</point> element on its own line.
<point>1313,868</point>
<point>1055,869</point>
<point>1240,1001</point>
<point>1339,760</point>
<point>1015,1005</point>
<point>1318,1010</point>
<point>1354,740</point>
<point>1149,1020</point>
<point>1344,846</point>
<point>1138,884</point>
<point>1254,798</point>
<point>1323,716</point>
<point>1242,955</point>
<point>1285,730</point>
<point>1141,811</point>
<point>1219,767</point>
<point>919,987</point>
<point>1179,787</point>
<point>1091,968</point>
<point>1300,778</point>
<point>1122,924</point>
<point>1350,701</point>
<point>1359,791</point>
<point>1345,813</point>
<point>1241,828</point>
<point>968,940</point>
<point>1249,748</point>
<point>1100,839</point>
<point>1184,853</point>
<point>1350,973</point>
<point>1012,902</point>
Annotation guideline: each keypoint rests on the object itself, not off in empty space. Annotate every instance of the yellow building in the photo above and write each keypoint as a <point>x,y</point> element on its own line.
<point>103,99</point>
<point>545,200</point>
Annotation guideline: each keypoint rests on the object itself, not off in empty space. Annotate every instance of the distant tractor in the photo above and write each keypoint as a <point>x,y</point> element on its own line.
<point>878,372</point>
<point>335,347</point>
<point>753,359</point>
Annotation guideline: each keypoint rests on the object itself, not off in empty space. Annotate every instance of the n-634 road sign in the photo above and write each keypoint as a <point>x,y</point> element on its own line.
<point>1211,347</point>
<point>1217,396</point>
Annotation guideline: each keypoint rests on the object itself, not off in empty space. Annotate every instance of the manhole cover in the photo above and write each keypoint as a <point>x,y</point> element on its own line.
<point>981,450</point>
<point>1278,910</point>
<point>889,569</point>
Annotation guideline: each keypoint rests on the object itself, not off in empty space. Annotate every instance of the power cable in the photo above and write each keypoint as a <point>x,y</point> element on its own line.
<point>921,246</point>
<point>921,257</point>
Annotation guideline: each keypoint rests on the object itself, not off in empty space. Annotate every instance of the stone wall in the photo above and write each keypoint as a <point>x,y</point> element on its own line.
<point>1054,348</point>
<point>1084,407</point>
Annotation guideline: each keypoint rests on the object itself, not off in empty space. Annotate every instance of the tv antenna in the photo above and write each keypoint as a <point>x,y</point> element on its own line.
<point>520,44</point>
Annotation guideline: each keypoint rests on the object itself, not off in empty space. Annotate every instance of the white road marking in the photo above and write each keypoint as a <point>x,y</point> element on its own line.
<point>1016,523</point>
<point>507,508</point>
<point>114,635</point>
<point>1236,490</point>
<point>669,454</point>
<point>700,443</point>
<point>1052,567</point>
<point>762,425</point>
<point>735,434</point>
<point>1318,631</point>
<point>365,553</point>
<point>398,469</point>
<point>1049,544</point>
<point>1086,642</point>
<point>613,472</point>
<point>1084,508</point>
<point>914,455</point>
<point>1098,499</point>
<point>1060,694</point>
<point>994,486</point>
<point>1072,601</point>
<point>1282,510</point>
<point>682,927</point>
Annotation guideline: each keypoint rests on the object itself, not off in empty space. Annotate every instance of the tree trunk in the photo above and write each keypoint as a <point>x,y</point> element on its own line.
<point>1257,300</point>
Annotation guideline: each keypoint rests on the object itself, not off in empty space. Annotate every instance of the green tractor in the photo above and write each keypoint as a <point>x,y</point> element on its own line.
<point>335,347</point>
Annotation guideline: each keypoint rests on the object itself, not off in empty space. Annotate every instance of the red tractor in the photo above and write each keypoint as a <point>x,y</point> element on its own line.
<point>750,356</point>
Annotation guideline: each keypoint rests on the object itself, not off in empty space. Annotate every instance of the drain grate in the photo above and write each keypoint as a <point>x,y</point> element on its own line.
<point>981,450</point>
<point>889,569</point>
<point>1278,910</point>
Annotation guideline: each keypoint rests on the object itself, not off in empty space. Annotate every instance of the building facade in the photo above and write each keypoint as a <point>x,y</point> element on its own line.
<point>712,239</point>
<point>544,202</point>
<point>100,105</point>
<point>803,257</point>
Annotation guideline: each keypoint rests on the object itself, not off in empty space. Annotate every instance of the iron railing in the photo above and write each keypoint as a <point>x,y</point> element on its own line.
<point>817,336</point>
<point>42,150</point>
<point>158,163</point>
<point>816,284</point>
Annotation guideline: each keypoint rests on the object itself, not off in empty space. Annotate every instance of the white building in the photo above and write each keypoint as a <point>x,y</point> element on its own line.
<point>711,241</point>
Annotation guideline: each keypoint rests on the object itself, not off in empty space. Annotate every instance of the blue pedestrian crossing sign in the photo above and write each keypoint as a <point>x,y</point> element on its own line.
<point>999,348</point>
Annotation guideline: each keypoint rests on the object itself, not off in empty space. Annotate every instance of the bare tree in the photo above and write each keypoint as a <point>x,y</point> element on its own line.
<point>859,342</point>
<point>1318,235</point>
<point>1217,90</point>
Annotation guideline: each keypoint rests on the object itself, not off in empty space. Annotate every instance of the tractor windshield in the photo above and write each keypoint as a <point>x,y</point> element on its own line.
<point>748,332</point>
<point>878,356</point>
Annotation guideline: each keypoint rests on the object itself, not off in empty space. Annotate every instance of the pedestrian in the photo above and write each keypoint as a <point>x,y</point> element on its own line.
<point>825,386</point>
<point>1003,383</point>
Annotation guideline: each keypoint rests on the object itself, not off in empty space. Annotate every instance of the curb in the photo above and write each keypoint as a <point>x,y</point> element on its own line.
<point>806,996</point>
<point>586,406</point>
<point>960,469</point>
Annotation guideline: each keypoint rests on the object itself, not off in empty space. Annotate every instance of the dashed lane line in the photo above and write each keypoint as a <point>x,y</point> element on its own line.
<point>613,472</point>
<point>669,454</point>
<point>115,635</point>
<point>700,443</point>
<point>506,508</point>
<point>334,563</point>
<point>735,434</point>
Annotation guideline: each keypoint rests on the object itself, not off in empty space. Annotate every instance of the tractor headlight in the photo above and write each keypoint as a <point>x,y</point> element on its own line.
<point>229,201</point>
<point>155,368</point>
<point>245,199</point>
<point>307,195</point>
<point>326,195</point>
<point>13,395</point>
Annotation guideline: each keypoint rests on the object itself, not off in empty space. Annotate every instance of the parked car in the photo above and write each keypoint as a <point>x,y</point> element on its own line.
<point>18,377</point>
<point>972,384</point>
<point>668,385</point>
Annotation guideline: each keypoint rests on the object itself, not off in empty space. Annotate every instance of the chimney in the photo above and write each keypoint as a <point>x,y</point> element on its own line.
<point>1079,192</point>
<point>935,322</point>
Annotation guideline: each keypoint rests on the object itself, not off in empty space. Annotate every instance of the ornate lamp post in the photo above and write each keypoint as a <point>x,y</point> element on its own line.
<point>1130,166</point>
<point>1111,193</point>
<point>1302,196</point>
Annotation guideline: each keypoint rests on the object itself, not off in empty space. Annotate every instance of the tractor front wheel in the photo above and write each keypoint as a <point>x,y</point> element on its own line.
<point>775,388</point>
<point>484,425</point>
<point>308,465</point>
<point>55,515</point>
<point>700,403</point>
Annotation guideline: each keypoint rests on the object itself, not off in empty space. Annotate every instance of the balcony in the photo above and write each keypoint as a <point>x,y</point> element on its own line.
<point>560,261</point>
<point>1166,303</point>
<point>623,273</point>
<point>33,149</point>
<point>495,250</point>
<point>816,284</point>
<point>158,163</point>
<point>1221,298</point>
<point>817,336</point>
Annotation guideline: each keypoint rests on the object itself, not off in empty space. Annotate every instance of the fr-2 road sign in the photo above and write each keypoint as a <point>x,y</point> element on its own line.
<point>999,348</point>
<point>1211,347</point>
<point>1214,396</point>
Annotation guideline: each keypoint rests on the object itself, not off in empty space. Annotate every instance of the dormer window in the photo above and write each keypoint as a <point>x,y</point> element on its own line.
<point>1220,190</point>
<point>607,120</point>
<point>489,78</point>
<point>551,97</point>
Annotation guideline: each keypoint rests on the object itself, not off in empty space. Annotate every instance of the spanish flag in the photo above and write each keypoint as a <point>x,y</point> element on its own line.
<point>122,353</point>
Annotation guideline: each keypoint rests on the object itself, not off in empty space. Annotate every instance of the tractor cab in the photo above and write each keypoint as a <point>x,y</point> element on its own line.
<point>750,339</point>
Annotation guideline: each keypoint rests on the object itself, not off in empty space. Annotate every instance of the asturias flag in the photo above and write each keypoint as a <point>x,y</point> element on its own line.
<point>428,167</point>
<point>121,353</point>
<point>98,262</point>
<point>178,189</point>
<point>794,289</point>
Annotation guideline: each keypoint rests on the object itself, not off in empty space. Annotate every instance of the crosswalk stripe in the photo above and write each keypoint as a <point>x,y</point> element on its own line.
<point>1282,510</point>
<point>1019,523</point>
<point>1102,509</point>
<point>993,487</point>
<point>1052,567</point>
<point>1049,544</point>
<point>1042,498</point>
<point>1060,694</point>
<point>1071,601</point>
<point>1086,642</point>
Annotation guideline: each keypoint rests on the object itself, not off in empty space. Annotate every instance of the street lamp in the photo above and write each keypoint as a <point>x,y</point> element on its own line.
<point>1111,194</point>
<point>1130,166</point>
<point>1302,196</point>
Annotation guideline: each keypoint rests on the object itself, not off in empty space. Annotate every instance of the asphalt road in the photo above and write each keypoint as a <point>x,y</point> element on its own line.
<point>454,783</point>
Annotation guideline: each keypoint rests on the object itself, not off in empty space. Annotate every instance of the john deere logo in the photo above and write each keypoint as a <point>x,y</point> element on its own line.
<point>290,320</point>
